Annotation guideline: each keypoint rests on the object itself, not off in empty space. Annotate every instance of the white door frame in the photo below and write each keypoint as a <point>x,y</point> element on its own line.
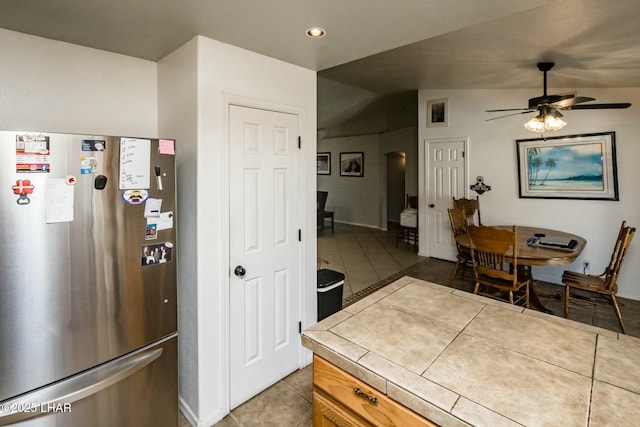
<point>424,205</point>
<point>227,100</point>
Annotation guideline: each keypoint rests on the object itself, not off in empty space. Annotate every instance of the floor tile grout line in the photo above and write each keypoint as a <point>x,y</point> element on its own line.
<point>385,241</point>
<point>368,259</point>
<point>295,391</point>
<point>379,285</point>
<point>375,237</point>
<point>356,240</point>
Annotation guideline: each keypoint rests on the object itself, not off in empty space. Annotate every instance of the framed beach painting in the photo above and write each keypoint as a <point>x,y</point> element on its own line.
<point>568,167</point>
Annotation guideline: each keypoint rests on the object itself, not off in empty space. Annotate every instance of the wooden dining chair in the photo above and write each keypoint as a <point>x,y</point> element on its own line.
<point>470,207</point>
<point>606,283</point>
<point>494,253</point>
<point>459,226</point>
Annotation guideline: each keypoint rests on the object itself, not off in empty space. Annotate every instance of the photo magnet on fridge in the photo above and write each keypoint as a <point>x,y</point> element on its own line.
<point>93,145</point>
<point>151,232</point>
<point>156,254</point>
<point>88,165</point>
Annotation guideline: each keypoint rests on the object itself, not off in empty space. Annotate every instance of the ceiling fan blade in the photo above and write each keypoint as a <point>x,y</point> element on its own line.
<point>507,109</point>
<point>549,99</point>
<point>615,105</point>
<point>550,105</point>
<point>568,103</point>
<point>509,115</point>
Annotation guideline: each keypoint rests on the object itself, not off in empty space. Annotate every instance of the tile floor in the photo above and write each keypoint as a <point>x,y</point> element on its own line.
<point>368,256</point>
<point>364,255</point>
<point>288,403</point>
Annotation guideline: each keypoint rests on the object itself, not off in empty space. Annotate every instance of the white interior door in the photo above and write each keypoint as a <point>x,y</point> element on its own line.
<point>264,241</point>
<point>447,179</point>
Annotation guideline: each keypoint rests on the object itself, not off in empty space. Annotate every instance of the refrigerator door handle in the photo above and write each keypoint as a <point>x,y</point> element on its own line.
<point>44,401</point>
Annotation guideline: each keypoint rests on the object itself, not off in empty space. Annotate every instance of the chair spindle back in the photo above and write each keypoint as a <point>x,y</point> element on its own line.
<point>470,207</point>
<point>494,251</point>
<point>625,235</point>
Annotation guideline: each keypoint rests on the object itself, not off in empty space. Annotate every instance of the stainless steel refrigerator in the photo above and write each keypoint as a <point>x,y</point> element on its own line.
<point>88,323</point>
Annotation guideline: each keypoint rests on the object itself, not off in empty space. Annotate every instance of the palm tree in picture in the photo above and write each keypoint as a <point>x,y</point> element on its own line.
<point>536,163</point>
<point>550,164</point>
<point>533,163</point>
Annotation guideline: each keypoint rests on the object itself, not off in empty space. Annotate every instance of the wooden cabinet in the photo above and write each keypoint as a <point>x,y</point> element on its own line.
<point>328,413</point>
<point>340,399</point>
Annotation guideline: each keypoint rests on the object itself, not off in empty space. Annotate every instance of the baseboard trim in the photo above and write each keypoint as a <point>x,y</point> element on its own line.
<point>193,419</point>
<point>360,225</point>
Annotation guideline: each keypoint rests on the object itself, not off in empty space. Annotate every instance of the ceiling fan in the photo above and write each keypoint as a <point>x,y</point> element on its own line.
<point>549,106</point>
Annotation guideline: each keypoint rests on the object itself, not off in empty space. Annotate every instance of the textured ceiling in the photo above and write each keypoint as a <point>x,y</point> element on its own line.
<point>151,29</point>
<point>594,43</point>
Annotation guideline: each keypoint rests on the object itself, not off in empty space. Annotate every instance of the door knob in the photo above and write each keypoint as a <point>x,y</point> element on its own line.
<point>239,271</point>
<point>432,205</point>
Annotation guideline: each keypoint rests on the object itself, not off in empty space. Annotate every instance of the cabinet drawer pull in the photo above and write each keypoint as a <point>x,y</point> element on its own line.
<point>361,393</point>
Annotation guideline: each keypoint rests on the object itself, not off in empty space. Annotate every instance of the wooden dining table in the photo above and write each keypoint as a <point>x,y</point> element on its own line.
<point>539,255</point>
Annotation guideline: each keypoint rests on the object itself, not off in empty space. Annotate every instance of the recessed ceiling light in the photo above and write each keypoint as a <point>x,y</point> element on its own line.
<point>316,32</point>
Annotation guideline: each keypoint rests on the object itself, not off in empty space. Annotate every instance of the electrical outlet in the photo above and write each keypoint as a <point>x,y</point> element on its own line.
<point>586,265</point>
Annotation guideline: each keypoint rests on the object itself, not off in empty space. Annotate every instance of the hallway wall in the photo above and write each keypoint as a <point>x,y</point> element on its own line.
<point>359,201</point>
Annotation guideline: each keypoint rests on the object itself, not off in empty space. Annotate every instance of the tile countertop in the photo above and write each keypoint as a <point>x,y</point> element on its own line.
<point>460,359</point>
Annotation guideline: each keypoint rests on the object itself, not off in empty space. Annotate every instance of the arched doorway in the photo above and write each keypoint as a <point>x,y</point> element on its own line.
<point>395,174</point>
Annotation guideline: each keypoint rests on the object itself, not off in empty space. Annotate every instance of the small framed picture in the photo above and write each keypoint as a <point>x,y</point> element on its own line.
<point>352,164</point>
<point>323,163</point>
<point>438,113</point>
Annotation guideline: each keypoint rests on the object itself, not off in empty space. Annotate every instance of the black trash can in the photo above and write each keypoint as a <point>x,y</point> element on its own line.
<point>330,285</point>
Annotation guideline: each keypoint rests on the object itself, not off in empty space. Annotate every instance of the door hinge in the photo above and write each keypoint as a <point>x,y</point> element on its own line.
<point>299,235</point>
<point>299,327</point>
<point>299,142</point>
<point>463,154</point>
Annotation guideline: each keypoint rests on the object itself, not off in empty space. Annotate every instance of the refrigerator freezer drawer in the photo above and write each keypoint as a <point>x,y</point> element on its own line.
<point>138,389</point>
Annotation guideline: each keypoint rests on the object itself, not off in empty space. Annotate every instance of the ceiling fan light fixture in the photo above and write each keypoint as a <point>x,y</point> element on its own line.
<point>550,121</point>
<point>553,123</point>
<point>536,124</point>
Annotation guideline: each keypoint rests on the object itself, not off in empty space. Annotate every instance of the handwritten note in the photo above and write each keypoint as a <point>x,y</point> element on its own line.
<point>59,201</point>
<point>135,162</point>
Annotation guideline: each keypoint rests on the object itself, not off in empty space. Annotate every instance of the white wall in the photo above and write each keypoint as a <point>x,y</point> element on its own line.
<point>355,200</point>
<point>52,86</point>
<point>492,154</point>
<point>360,201</point>
<point>177,98</point>
<point>222,74</point>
